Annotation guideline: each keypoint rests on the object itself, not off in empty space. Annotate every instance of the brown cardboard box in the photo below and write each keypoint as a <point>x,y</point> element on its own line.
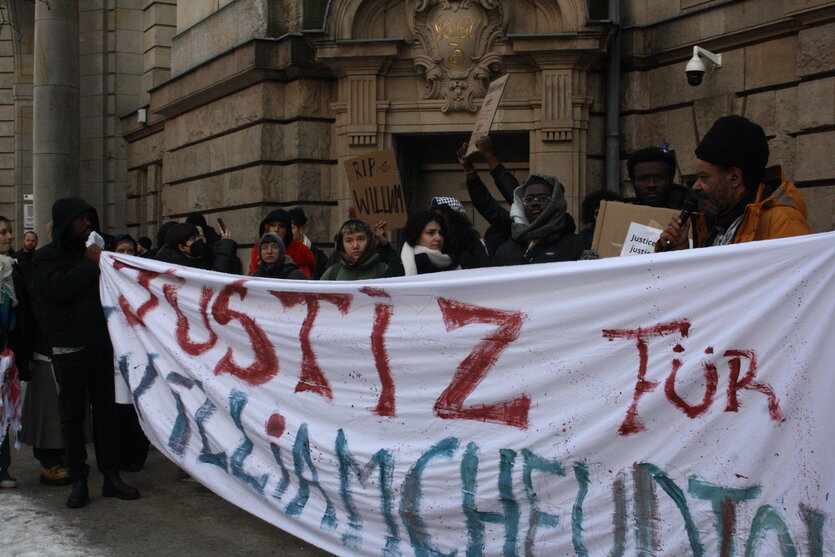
<point>613,222</point>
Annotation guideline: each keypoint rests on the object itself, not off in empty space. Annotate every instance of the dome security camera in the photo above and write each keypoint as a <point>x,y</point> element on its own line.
<point>696,69</point>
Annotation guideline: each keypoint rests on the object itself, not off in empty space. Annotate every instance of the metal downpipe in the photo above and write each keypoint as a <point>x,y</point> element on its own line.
<point>613,103</point>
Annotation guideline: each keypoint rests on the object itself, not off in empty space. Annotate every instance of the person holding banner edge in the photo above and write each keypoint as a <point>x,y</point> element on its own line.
<point>741,200</point>
<point>66,276</point>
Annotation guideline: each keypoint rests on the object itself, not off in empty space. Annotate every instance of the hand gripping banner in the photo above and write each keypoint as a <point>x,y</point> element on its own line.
<point>671,404</point>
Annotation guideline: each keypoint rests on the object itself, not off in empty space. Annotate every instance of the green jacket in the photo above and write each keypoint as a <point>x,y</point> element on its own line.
<point>371,268</point>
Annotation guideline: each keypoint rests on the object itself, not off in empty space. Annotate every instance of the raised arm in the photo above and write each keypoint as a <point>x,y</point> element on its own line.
<point>505,181</point>
<point>483,201</point>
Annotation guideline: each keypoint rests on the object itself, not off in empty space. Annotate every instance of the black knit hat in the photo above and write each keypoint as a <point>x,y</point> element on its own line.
<point>736,141</point>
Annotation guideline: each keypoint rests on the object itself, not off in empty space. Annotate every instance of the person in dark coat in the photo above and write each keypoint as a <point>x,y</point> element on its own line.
<point>298,222</point>
<point>589,209</point>
<point>422,252</point>
<point>66,275</point>
<point>27,252</point>
<point>160,238</point>
<point>505,182</point>
<point>40,418</point>
<point>537,229</point>
<point>278,221</point>
<point>462,242</point>
<point>652,171</point>
<point>184,246</point>
<point>274,261</point>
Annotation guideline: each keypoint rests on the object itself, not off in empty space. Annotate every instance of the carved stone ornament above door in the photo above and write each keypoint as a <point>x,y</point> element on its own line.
<point>457,37</point>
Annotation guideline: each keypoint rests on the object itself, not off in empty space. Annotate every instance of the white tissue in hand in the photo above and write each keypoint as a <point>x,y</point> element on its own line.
<point>94,238</point>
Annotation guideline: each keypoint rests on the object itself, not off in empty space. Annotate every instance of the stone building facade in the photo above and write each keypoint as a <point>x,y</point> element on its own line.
<point>235,107</point>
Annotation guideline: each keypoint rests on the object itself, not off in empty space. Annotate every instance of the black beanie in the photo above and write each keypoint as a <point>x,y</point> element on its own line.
<point>736,141</point>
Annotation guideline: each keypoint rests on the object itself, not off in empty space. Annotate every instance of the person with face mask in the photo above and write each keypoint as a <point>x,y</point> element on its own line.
<point>184,246</point>
<point>66,277</point>
<point>537,229</point>
<point>363,253</point>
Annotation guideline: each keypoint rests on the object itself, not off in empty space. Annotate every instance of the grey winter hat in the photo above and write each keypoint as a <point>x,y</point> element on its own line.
<point>273,238</point>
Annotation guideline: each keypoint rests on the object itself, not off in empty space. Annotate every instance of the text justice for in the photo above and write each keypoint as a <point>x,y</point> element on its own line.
<point>469,373</point>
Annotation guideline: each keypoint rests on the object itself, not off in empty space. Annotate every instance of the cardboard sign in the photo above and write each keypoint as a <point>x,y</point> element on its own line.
<point>640,239</point>
<point>376,189</point>
<point>488,111</point>
<point>614,219</point>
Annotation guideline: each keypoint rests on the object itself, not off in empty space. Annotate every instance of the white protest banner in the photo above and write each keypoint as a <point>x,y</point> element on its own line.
<point>662,404</point>
<point>484,120</point>
<point>10,399</point>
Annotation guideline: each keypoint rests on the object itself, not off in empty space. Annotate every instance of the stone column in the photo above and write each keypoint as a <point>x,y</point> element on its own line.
<point>56,115</point>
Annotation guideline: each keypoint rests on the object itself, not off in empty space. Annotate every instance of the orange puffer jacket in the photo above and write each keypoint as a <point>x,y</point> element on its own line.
<point>779,211</point>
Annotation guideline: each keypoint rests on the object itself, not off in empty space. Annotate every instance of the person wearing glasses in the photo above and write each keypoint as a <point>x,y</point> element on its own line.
<point>537,228</point>
<point>273,259</point>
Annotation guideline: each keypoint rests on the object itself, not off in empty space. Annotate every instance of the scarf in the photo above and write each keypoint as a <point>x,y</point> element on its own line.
<point>6,281</point>
<point>438,259</point>
<point>550,221</point>
<point>724,225</point>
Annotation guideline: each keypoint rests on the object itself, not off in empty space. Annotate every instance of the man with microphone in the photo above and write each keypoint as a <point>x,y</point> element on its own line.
<point>741,200</point>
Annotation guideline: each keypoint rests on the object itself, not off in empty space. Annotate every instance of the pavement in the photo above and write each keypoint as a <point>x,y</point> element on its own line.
<point>170,518</point>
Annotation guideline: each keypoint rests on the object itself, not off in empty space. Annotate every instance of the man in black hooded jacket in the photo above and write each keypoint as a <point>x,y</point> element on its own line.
<point>66,276</point>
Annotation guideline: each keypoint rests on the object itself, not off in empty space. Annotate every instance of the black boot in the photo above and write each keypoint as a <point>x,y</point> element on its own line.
<point>79,495</point>
<point>114,487</point>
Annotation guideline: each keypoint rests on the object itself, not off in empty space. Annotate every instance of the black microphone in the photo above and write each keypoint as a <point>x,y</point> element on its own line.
<point>689,207</point>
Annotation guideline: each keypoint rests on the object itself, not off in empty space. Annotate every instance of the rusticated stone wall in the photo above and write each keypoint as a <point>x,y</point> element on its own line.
<point>778,65</point>
<point>245,133</point>
<point>244,121</point>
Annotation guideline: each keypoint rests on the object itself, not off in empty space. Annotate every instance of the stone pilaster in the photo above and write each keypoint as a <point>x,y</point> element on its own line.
<point>56,116</point>
<point>559,139</point>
